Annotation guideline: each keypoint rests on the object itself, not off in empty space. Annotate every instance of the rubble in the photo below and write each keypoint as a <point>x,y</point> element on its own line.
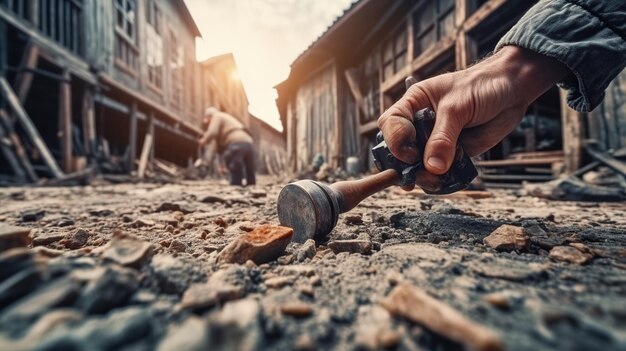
<point>127,251</point>
<point>409,302</point>
<point>13,236</point>
<point>570,254</point>
<point>508,238</point>
<point>363,247</point>
<point>261,245</point>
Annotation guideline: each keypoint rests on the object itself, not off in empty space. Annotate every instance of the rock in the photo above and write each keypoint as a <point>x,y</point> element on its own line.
<point>258,193</point>
<point>101,212</point>
<point>307,289</point>
<point>33,215</point>
<point>508,238</point>
<point>211,199</point>
<point>142,222</point>
<point>353,219</point>
<point>16,260</point>
<point>305,251</point>
<point>246,226</point>
<point>306,271</point>
<point>13,236</point>
<point>264,244</point>
<point>178,246</point>
<point>220,222</point>
<point>58,293</point>
<point>499,300</point>
<point>190,335</point>
<point>510,270</point>
<point>570,254</point>
<point>172,275</point>
<point>237,326</point>
<point>19,284</point>
<point>373,328</point>
<point>78,239</point>
<point>201,296</point>
<point>409,302</point>
<point>127,251</point>
<point>65,222</point>
<point>304,342</point>
<point>171,206</point>
<point>118,329</point>
<point>47,239</point>
<point>278,282</point>
<point>296,309</point>
<point>111,289</point>
<point>352,246</point>
<point>51,320</point>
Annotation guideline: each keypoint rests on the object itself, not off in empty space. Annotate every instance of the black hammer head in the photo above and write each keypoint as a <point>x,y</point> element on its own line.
<point>310,208</point>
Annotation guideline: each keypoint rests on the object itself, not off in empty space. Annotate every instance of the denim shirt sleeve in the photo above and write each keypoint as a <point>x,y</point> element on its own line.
<point>588,36</point>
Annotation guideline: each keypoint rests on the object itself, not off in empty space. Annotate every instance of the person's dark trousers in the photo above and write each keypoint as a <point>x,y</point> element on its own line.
<point>239,158</point>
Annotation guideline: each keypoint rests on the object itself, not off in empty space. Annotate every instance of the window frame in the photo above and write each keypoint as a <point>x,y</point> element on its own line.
<point>154,19</point>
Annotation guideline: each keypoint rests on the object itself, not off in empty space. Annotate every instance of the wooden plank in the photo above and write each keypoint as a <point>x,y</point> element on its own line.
<point>573,133</point>
<point>132,138</point>
<point>29,127</point>
<point>151,132</point>
<point>145,153</point>
<point>20,152</point>
<point>368,127</point>
<point>512,163</point>
<point>517,177</point>
<point>482,13</point>
<point>353,85</point>
<point>65,121</point>
<point>536,154</point>
<point>608,160</point>
<point>25,76</point>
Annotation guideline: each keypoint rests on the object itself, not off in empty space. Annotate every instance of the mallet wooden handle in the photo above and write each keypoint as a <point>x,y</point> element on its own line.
<point>352,192</point>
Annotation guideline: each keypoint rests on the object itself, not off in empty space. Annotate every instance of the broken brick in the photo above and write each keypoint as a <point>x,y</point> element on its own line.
<point>264,244</point>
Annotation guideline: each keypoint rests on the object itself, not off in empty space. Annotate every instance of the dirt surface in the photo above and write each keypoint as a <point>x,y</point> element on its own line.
<point>134,266</point>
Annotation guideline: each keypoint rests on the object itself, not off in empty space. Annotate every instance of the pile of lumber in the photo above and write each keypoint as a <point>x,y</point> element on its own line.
<point>537,166</point>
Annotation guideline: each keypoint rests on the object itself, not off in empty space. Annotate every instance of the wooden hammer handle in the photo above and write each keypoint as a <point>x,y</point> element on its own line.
<point>352,192</point>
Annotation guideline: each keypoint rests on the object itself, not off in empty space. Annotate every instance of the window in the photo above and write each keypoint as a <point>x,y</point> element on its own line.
<point>432,22</point>
<point>395,54</point>
<point>154,45</point>
<point>126,52</point>
<point>176,70</point>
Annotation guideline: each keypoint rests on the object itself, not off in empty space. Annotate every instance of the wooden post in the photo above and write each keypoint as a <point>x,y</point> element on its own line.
<point>151,131</point>
<point>132,138</point>
<point>29,127</point>
<point>145,153</point>
<point>25,76</point>
<point>65,121</point>
<point>89,123</point>
<point>573,134</point>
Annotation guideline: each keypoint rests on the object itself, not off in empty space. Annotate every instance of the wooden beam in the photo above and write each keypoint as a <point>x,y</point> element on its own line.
<point>65,121</point>
<point>29,127</point>
<point>89,122</point>
<point>9,155</point>
<point>25,74</point>
<point>368,127</point>
<point>151,132</point>
<point>605,158</point>
<point>354,88</point>
<point>20,152</point>
<point>132,137</point>
<point>517,162</point>
<point>145,154</point>
<point>573,134</point>
<point>486,10</point>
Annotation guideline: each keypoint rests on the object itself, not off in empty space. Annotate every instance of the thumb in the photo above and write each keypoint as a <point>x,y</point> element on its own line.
<point>441,145</point>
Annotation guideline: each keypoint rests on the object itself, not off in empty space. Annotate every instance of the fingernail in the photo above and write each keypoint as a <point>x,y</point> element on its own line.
<point>436,163</point>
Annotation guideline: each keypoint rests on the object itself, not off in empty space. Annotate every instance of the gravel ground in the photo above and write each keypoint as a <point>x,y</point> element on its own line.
<point>136,267</point>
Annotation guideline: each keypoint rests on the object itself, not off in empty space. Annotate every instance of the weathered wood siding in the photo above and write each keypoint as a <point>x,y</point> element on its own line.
<point>315,118</point>
<point>607,123</point>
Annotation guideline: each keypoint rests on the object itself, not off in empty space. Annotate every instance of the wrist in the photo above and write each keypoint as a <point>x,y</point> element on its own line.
<point>532,74</point>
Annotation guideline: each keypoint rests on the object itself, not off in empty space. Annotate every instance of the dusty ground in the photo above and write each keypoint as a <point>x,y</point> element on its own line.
<point>67,292</point>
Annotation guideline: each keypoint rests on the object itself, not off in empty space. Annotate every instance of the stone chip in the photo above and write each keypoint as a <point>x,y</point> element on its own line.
<point>264,244</point>
<point>508,238</point>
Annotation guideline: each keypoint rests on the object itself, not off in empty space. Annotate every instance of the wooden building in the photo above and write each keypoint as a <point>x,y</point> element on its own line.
<point>343,82</point>
<point>271,148</point>
<point>97,77</point>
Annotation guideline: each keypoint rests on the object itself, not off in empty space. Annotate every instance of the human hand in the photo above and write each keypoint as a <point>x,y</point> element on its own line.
<point>481,105</point>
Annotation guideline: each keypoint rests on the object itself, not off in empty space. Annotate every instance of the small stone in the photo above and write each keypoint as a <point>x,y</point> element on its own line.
<point>315,280</point>
<point>33,215</point>
<point>178,246</point>
<point>171,206</point>
<point>220,222</point>
<point>352,246</point>
<point>65,222</point>
<point>372,324</point>
<point>211,199</point>
<point>394,277</point>
<point>354,219</point>
<point>508,238</point>
<point>264,244</point>
<point>296,309</point>
<point>127,251</point>
<point>306,271</point>
<point>190,335</point>
<point>307,289</point>
<point>569,254</point>
<point>172,275</point>
<point>285,260</point>
<point>305,251</point>
<point>246,226</point>
<point>52,320</point>
<point>257,193</point>
<point>200,296</point>
<point>304,343</point>
<point>498,300</point>
<point>237,326</point>
<point>112,288</point>
<point>101,212</point>
<point>278,282</point>
<point>143,222</point>
<point>78,239</point>
<point>13,236</point>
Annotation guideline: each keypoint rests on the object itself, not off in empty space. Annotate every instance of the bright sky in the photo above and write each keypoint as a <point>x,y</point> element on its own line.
<point>265,36</point>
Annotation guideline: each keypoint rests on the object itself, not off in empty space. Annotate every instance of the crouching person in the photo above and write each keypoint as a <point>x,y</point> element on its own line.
<point>226,136</point>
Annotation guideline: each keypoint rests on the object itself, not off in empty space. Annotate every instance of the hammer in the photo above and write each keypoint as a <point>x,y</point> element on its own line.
<point>312,208</point>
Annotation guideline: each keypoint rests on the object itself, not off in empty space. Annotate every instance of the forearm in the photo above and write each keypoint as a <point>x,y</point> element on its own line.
<point>210,151</point>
